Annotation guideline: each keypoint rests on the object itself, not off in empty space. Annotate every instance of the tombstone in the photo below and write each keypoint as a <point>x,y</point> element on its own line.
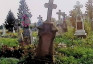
<point>73,18</point>
<point>59,23</point>
<point>64,25</point>
<point>20,36</point>
<point>3,31</point>
<point>13,30</point>
<point>40,21</point>
<point>27,34</point>
<point>59,17</point>
<point>47,32</point>
<point>80,32</point>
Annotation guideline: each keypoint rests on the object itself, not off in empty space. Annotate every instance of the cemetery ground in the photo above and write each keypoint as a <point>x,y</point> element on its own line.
<point>68,49</point>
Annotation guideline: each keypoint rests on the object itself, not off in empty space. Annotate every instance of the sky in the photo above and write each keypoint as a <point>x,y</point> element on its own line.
<point>37,8</point>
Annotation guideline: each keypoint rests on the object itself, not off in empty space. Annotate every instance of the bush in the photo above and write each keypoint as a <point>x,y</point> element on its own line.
<point>8,61</point>
<point>75,55</point>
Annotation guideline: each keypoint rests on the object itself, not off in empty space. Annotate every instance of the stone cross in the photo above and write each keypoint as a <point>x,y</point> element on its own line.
<point>39,17</point>
<point>59,14</point>
<point>40,21</point>
<point>50,7</point>
<point>78,6</point>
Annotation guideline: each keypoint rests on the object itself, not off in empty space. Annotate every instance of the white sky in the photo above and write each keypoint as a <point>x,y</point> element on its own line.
<point>37,8</point>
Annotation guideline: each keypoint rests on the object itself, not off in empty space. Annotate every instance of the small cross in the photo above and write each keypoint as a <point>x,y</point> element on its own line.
<point>59,14</point>
<point>39,17</point>
<point>50,7</point>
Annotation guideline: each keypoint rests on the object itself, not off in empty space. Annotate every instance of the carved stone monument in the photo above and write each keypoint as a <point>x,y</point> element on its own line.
<point>46,33</point>
<point>80,32</point>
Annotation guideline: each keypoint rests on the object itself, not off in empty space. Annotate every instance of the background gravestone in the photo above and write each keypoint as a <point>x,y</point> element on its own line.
<point>40,21</point>
<point>59,22</point>
<point>73,18</point>
<point>80,32</point>
<point>64,25</point>
<point>59,13</point>
<point>3,31</point>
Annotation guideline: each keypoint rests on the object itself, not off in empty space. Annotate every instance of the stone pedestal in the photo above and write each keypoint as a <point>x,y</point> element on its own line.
<point>46,34</point>
<point>80,33</point>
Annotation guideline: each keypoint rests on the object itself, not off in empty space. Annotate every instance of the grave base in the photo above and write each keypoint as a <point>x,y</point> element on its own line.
<point>80,33</point>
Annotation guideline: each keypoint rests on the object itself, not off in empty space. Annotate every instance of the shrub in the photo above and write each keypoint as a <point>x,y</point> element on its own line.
<point>8,61</point>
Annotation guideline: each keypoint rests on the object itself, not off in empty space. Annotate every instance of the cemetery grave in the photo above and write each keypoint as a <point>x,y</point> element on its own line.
<point>68,40</point>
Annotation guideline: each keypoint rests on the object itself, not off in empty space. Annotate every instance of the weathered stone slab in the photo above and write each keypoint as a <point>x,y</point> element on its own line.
<point>46,34</point>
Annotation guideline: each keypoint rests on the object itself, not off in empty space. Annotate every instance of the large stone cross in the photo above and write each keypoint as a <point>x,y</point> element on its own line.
<point>78,6</point>
<point>59,14</point>
<point>50,7</point>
